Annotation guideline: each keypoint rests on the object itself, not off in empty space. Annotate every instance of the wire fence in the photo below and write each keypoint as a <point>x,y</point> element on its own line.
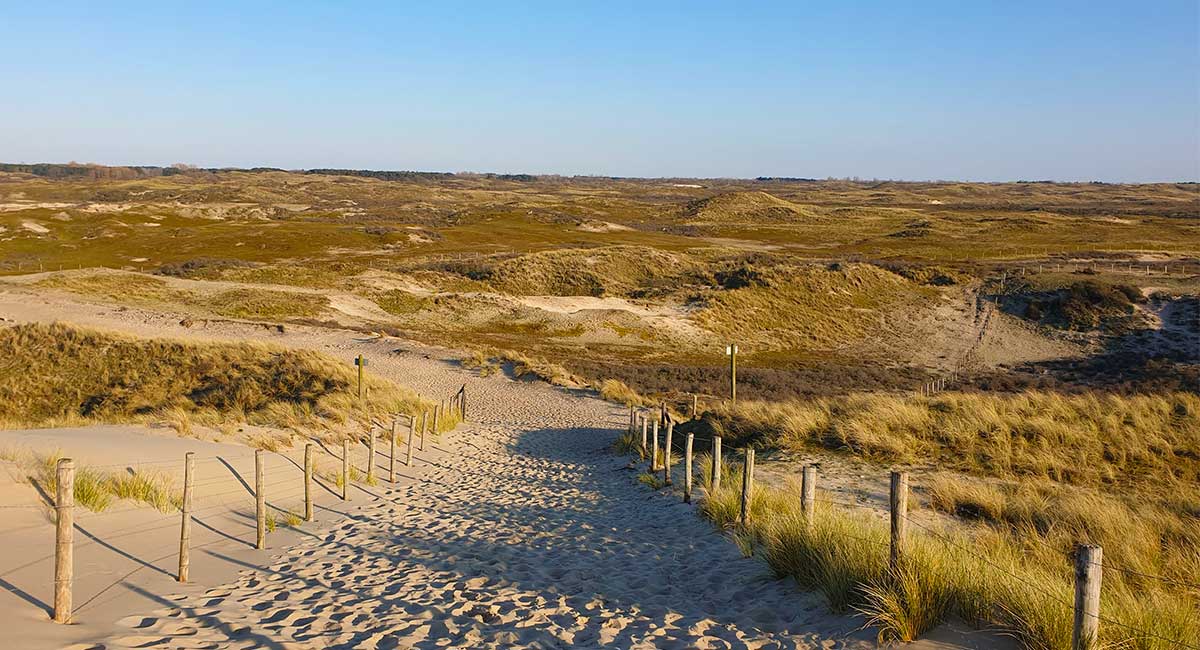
<point>1060,599</point>
<point>240,500</point>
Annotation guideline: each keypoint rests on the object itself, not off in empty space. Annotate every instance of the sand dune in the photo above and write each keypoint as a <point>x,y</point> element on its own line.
<point>518,530</point>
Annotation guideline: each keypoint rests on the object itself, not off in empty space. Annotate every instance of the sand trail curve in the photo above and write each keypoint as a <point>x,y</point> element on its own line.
<point>526,533</point>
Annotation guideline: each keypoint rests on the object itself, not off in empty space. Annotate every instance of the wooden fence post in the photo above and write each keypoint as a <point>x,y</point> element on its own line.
<point>654,449</point>
<point>899,510</point>
<point>185,524</point>
<point>412,425</point>
<point>361,363</point>
<point>370,454</point>
<point>308,473</point>
<point>687,469</point>
<point>808,492</point>
<point>424,421</point>
<point>714,479</point>
<point>345,470</point>
<point>695,407</point>
<point>437,411</point>
<point>631,420</point>
<point>1088,571</point>
<point>667,454</point>
<point>464,403</point>
<point>64,539</point>
<point>645,426</point>
<point>392,454</point>
<point>260,501</point>
<point>747,485</point>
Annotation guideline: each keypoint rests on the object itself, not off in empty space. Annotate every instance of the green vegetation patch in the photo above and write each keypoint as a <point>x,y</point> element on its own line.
<point>121,287</point>
<point>609,271</point>
<point>266,304</point>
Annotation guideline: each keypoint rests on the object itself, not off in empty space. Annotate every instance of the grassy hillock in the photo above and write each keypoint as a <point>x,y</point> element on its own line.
<point>245,302</point>
<point>747,207</point>
<point>61,375</point>
<point>804,306</point>
<point>608,271</point>
<point>1085,305</point>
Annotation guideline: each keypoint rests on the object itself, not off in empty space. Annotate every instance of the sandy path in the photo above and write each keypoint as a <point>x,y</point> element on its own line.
<point>528,533</point>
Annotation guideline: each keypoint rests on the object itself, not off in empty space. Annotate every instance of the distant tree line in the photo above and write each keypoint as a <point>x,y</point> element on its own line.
<point>98,172</point>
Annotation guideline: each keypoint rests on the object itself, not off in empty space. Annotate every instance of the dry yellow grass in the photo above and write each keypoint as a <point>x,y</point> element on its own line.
<point>134,288</point>
<point>59,374</point>
<point>805,307</point>
<point>1091,439</point>
<point>984,577</point>
<point>96,489</point>
<point>1007,563</point>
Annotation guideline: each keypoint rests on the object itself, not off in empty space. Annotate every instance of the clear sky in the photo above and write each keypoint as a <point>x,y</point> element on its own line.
<point>936,90</point>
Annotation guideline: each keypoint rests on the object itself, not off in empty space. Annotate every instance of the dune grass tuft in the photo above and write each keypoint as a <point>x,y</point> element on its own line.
<point>1088,439</point>
<point>1008,575</point>
<point>983,578</point>
<point>86,376</point>
<point>97,490</point>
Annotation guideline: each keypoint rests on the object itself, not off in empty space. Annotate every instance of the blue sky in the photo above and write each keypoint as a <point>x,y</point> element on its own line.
<point>955,90</point>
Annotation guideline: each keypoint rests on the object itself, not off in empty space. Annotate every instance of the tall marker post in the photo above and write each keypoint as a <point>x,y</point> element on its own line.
<point>361,362</point>
<point>731,351</point>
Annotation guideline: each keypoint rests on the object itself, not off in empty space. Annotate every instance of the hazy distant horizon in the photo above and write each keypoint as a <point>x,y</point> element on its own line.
<point>1072,92</point>
<point>759,177</point>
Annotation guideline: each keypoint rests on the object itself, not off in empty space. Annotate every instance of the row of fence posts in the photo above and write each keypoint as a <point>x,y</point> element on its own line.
<point>64,503</point>
<point>938,385</point>
<point>1088,565</point>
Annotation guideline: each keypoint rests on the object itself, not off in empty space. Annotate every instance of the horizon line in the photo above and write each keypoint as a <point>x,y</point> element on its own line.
<point>185,167</point>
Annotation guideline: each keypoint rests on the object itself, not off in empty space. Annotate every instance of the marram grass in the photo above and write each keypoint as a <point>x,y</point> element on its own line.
<point>62,375</point>
<point>986,578</point>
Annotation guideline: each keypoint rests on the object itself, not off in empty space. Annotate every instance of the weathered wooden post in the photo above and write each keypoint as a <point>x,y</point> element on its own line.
<point>185,524</point>
<point>654,449</point>
<point>731,351</point>
<point>667,454</point>
<point>808,493</point>
<point>632,420</point>
<point>714,481</point>
<point>424,421</point>
<point>437,411</point>
<point>695,406</point>
<point>361,362</point>
<point>308,477</point>
<point>412,425</point>
<point>645,425</point>
<point>464,403</point>
<point>747,485</point>
<point>370,454</point>
<point>345,470</point>
<point>687,469</point>
<point>392,454</point>
<point>64,539</point>
<point>899,512</point>
<point>260,501</point>
<point>1088,572</point>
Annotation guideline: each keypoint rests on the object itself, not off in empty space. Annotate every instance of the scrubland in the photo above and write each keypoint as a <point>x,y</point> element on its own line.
<point>1065,314</point>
